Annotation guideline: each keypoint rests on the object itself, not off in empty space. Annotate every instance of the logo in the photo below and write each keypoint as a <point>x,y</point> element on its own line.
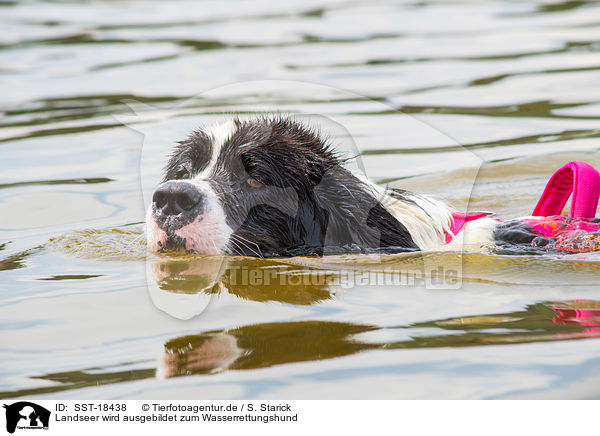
<point>26,415</point>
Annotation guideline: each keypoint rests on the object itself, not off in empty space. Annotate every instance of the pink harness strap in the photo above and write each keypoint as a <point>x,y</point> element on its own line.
<point>578,178</point>
<point>459,219</point>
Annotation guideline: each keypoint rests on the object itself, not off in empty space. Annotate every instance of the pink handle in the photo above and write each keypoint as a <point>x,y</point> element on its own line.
<point>459,219</point>
<point>578,178</point>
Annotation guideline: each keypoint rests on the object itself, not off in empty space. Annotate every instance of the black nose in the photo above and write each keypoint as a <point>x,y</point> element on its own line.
<point>173,198</point>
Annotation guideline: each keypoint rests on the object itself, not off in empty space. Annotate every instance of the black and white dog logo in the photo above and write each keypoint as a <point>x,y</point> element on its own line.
<point>26,415</point>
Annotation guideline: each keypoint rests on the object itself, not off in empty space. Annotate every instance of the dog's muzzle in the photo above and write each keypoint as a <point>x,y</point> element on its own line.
<point>176,204</point>
<point>186,216</point>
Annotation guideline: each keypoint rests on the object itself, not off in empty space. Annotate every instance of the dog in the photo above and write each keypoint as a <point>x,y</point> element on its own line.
<point>271,186</point>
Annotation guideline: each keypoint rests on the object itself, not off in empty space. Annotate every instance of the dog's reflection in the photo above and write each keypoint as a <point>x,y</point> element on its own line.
<point>268,344</point>
<point>251,279</point>
<point>187,275</point>
<point>261,345</point>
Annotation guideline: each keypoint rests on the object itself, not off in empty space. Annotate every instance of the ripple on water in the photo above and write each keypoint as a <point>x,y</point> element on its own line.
<point>119,244</point>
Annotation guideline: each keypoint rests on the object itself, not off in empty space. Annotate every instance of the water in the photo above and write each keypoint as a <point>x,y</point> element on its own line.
<point>427,91</point>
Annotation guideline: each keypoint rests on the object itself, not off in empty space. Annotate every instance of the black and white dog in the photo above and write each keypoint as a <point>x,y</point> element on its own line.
<point>273,187</point>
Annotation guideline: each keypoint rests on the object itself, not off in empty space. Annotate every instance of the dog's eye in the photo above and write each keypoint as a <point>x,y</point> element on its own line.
<point>182,173</point>
<point>254,184</point>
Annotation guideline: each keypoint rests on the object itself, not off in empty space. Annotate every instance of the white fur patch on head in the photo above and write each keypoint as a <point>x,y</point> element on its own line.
<point>219,133</point>
<point>208,233</point>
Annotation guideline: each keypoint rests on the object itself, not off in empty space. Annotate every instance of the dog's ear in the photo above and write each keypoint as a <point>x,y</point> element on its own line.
<point>356,215</point>
<point>346,203</point>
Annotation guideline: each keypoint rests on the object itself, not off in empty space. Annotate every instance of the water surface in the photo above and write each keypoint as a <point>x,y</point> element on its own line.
<point>427,91</point>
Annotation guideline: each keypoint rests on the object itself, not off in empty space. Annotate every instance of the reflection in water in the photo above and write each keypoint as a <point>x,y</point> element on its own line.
<point>82,181</point>
<point>264,345</point>
<point>270,344</point>
<point>579,312</point>
<point>64,381</point>
<point>17,260</point>
<point>187,276</point>
<point>270,281</point>
<point>537,323</point>
<point>183,287</point>
<point>200,277</point>
<point>261,345</point>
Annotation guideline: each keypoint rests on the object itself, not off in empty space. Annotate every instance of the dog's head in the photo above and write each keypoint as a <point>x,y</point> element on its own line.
<point>263,187</point>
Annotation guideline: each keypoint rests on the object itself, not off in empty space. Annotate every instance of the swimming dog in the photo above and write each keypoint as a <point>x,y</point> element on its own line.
<point>271,186</point>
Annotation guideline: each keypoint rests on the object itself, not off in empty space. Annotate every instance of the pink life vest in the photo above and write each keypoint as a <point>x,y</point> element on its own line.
<point>577,178</point>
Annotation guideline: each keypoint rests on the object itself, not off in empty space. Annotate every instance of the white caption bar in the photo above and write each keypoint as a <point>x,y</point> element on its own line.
<point>94,417</point>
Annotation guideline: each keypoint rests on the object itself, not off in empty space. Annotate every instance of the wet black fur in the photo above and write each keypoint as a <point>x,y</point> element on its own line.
<point>308,204</point>
<point>517,237</point>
